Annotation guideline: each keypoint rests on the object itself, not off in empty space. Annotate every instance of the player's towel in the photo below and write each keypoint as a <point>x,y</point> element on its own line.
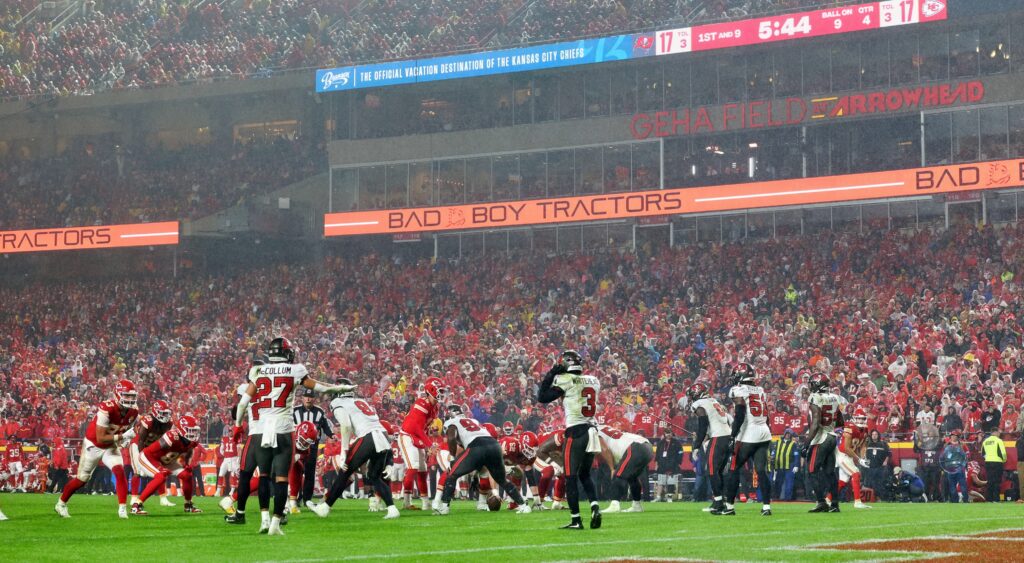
<point>380,442</point>
<point>269,435</point>
<point>593,441</point>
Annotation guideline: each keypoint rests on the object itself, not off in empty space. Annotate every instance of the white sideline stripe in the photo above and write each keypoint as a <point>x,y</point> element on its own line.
<point>150,235</point>
<point>356,224</point>
<point>798,192</point>
<point>680,535</point>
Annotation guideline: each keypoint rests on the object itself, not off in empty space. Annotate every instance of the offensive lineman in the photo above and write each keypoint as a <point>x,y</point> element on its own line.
<point>820,447</point>
<point>627,455</point>
<point>713,422</point>
<point>357,418</point>
<point>579,394</point>
<point>752,438</point>
<point>269,400</point>
<point>479,450</point>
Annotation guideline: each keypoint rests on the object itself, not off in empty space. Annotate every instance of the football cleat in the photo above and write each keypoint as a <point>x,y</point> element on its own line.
<point>138,510</point>
<point>538,505</point>
<point>524,509</point>
<point>820,507</point>
<point>275,527</point>
<point>635,507</point>
<point>834,508</point>
<point>512,505</point>
<point>442,510</point>
<point>227,504</point>
<point>321,510</point>
<point>61,509</point>
<point>725,511</point>
<point>264,522</point>
<point>595,517</point>
<point>122,512</point>
<point>557,505</point>
<point>392,513</point>
<point>374,505</point>
<point>613,507</point>
<point>3,516</point>
<point>576,524</point>
<point>294,509</point>
<point>164,501</point>
<point>766,512</point>
<point>860,504</point>
<point>481,506</point>
<point>192,509</point>
<point>235,518</point>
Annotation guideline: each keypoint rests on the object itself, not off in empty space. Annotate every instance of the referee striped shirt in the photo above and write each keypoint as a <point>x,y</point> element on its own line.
<point>317,416</point>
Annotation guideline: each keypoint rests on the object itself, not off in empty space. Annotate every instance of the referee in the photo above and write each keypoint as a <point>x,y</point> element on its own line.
<point>312,413</point>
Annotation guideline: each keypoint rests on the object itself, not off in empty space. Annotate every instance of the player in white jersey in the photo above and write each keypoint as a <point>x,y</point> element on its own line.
<point>713,423</point>
<point>751,438</point>
<point>627,456</point>
<point>479,450</point>
<point>359,425</point>
<point>268,402</point>
<point>820,446</point>
<point>579,394</point>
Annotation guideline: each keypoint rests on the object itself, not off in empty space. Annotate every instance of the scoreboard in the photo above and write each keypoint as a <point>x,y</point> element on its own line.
<point>818,23</point>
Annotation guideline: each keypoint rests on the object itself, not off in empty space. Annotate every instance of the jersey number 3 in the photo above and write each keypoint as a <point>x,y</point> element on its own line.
<point>589,407</point>
<point>264,386</point>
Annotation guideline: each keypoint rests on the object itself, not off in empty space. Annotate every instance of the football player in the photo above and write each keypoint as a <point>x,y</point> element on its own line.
<point>413,441</point>
<point>550,465</point>
<point>852,445</point>
<point>358,421</point>
<point>110,430</point>
<point>306,435</point>
<point>520,455</point>
<point>751,436</point>
<point>826,412</point>
<point>579,394</point>
<point>150,428</point>
<point>713,422</point>
<point>478,450</point>
<point>227,473</point>
<point>627,456</point>
<point>16,474</point>
<point>163,458</point>
<point>269,401</point>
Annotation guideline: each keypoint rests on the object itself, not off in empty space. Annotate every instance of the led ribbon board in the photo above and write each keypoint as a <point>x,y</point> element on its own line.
<point>634,205</point>
<point>83,238</point>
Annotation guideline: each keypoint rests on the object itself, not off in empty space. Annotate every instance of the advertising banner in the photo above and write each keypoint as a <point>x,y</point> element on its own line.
<point>635,205</point>
<point>554,55</point>
<point>82,238</point>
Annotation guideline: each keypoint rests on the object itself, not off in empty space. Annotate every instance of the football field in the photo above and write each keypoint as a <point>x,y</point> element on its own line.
<point>677,531</point>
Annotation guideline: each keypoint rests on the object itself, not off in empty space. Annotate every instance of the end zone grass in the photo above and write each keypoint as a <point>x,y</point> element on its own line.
<point>664,531</point>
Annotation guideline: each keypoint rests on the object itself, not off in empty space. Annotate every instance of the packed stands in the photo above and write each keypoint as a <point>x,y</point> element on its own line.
<point>130,44</point>
<point>899,320</point>
<point>116,184</point>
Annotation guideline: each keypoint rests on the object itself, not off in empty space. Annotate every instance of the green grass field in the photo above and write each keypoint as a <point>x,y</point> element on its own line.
<point>665,531</point>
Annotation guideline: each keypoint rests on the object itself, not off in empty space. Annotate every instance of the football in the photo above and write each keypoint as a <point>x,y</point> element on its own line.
<point>493,503</point>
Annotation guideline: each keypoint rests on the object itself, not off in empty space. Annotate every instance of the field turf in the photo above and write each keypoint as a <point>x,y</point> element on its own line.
<point>677,531</point>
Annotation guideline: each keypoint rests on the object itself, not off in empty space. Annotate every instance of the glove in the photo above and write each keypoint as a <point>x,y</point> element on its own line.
<point>343,467</point>
<point>805,450</point>
<point>236,434</point>
<point>558,468</point>
<point>558,369</point>
<point>121,440</point>
<point>389,473</point>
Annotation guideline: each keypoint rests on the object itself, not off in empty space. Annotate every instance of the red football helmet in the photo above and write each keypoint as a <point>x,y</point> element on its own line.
<point>161,411</point>
<point>305,435</point>
<point>491,429</point>
<point>860,417</point>
<point>508,428</point>
<point>435,388</point>
<point>188,426</point>
<point>529,443</point>
<point>126,395</point>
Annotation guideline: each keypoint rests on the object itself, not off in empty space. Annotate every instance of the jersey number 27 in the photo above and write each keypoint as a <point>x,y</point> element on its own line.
<point>264,386</point>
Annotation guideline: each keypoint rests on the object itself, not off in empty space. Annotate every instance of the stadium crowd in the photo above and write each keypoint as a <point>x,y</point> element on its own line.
<point>130,44</point>
<point>915,327</point>
<point>91,186</point>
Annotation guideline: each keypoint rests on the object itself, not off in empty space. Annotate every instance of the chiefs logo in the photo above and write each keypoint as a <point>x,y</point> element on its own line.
<point>932,8</point>
<point>643,42</point>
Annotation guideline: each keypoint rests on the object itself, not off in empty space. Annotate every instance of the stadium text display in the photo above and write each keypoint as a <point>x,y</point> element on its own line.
<point>795,111</point>
<point>632,205</point>
<point>83,238</point>
<point>818,23</point>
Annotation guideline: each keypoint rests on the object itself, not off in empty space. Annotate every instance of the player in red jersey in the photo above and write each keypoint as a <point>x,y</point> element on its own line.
<point>306,434</point>
<point>976,486</point>
<point>227,474</point>
<point>520,454</point>
<point>852,445</point>
<point>109,431</point>
<point>549,462</point>
<point>15,470</point>
<point>148,430</point>
<point>413,441</point>
<point>164,457</point>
